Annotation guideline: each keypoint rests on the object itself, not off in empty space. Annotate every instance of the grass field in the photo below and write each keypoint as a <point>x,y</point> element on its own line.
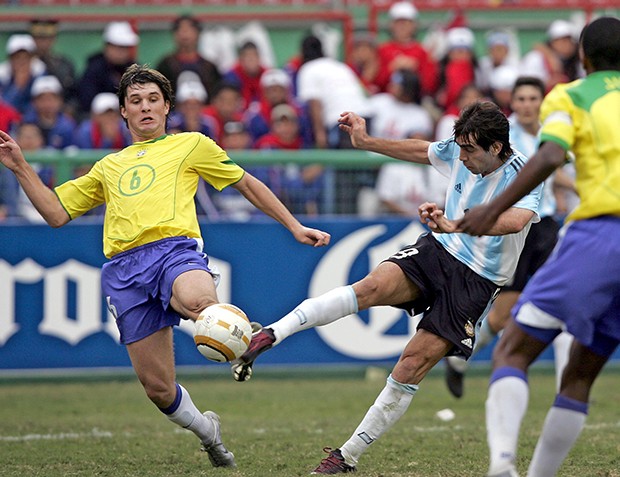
<point>277,425</point>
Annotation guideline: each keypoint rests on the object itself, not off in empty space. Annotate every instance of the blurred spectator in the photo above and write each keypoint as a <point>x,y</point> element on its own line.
<point>190,101</point>
<point>9,116</point>
<point>30,139</point>
<point>300,187</point>
<point>105,129</point>
<point>47,112</point>
<point>275,90</point>
<point>502,81</point>
<point>44,31</point>
<point>556,60</point>
<point>457,68</point>
<point>403,51</point>
<point>18,73</point>
<point>397,114</point>
<point>499,53</point>
<point>225,107</point>
<point>186,57</point>
<point>445,126</point>
<point>104,69</point>
<point>246,73</point>
<point>401,187</point>
<point>229,202</point>
<point>364,60</point>
<point>329,87</point>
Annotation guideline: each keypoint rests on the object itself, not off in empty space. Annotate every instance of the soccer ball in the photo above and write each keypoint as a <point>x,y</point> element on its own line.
<point>223,332</point>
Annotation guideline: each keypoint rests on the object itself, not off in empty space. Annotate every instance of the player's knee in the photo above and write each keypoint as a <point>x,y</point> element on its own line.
<point>161,394</point>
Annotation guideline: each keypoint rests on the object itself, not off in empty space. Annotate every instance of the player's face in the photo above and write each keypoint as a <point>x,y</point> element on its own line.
<point>525,103</point>
<point>145,111</point>
<point>476,159</point>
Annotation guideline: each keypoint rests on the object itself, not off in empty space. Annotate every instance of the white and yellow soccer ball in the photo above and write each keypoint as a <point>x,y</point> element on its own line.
<point>222,333</point>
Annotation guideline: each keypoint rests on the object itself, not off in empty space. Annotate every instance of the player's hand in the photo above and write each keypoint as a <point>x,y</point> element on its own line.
<point>314,237</point>
<point>355,126</point>
<point>434,218</point>
<point>477,221</point>
<point>10,152</point>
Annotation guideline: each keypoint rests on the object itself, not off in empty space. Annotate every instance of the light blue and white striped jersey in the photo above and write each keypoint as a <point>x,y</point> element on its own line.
<point>494,258</point>
<point>527,144</point>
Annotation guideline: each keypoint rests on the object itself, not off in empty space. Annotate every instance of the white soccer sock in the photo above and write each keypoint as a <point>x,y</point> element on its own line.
<point>562,427</point>
<point>485,336</point>
<point>561,350</point>
<point>322,310</point>
<point>388,408</point>
<point>187,415</point>
<point>505,407</point>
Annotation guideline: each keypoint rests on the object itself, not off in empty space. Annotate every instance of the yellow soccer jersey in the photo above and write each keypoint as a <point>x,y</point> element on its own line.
<point>584,116</point>
<point>149,189</point>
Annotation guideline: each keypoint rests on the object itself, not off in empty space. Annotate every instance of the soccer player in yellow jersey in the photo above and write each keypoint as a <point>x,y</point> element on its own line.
<point>578,288</point>
<point>157,272</point>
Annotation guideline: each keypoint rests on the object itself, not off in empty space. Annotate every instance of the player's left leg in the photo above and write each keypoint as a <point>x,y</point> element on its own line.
<point>192,292</point>
<point>422,352</point>
<point>567,416</point>
<point>153,361</point>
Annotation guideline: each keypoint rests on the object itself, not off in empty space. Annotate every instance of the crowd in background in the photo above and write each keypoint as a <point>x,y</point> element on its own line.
<point>402,86</point>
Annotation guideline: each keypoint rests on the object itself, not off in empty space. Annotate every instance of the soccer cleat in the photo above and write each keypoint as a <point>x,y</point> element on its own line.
<point>454,379</point>
<point>218,454</point>
<point>261,342</point>
<point>333,464</point>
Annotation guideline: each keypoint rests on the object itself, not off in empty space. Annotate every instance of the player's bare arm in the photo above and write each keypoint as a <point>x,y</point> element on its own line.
<point>482,220</point>
<point>43,199</point>
<point>262,198</point>
<point>410,150</point>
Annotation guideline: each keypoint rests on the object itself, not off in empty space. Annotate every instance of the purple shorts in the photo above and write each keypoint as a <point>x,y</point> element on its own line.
<point>580,285</point>
<point>137,284</point>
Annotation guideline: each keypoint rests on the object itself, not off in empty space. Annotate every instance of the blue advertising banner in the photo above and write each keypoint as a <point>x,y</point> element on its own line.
<point>53,316</point>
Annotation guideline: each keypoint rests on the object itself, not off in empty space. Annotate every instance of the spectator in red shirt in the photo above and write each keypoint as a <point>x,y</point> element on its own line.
<point>9,116</point>
<point>246,73</point>
<point>364,60</point>
<point>457,67</point>
<point>226,106</point>
<point>402,51</point>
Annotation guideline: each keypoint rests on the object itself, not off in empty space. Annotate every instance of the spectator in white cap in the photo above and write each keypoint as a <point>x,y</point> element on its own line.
<point>275,87</point>
<point>458,66</point>
<point>105,129</point>
<point>557,59</point>
<point>501,50</point>
<point>47,112</point>
<point>104,69</point>
<point>190,99</point>
<point>403,51</point>
<point>19,71</point>
<point>502,82</point>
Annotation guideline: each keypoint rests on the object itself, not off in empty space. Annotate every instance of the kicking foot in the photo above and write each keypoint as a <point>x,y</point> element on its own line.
<point>261,341</point>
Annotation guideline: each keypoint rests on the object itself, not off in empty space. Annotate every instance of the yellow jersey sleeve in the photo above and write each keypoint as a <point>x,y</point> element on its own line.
<point>80,195</point>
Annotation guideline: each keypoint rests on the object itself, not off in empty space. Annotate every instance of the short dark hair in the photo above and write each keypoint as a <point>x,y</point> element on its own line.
<point>484,123</point>
<point>529,81</point>
<point>311,48</point>
<point>600,41</point>
<point>186,18</point>
<point>247,45</point>
<point>142,74</point>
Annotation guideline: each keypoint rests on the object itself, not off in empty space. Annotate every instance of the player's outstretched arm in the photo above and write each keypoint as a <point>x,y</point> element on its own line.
<point>44,199</point>
<point>262,198</point>
<point>410,150</point>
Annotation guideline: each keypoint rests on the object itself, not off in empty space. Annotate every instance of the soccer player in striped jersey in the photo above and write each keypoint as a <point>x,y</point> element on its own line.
<point>157,272</point>
<point>578,288</point>
<point>452,278</point>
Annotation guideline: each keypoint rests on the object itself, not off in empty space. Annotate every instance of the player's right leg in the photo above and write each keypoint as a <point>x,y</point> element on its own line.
<point>385,285</point>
